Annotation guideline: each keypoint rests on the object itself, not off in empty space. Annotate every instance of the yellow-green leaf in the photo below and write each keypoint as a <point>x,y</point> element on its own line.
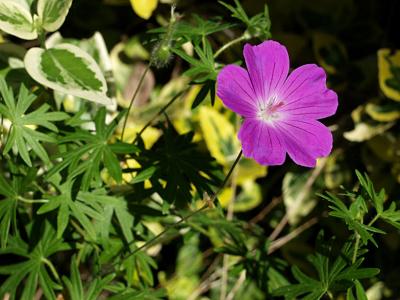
<point>219,135</point>
<point>383,113</point>
<point>388,80</point>
<point>364,131</point>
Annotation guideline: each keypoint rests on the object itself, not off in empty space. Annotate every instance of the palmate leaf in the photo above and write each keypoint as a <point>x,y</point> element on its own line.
<point>67,207</point>
<point>257,26</point>
<point>8,207</point>
<point>201,27</point>
<point>33,271</point>
<point>202,69</point>
<point>11,191</point>
<point>181,165</point>
<point>75,286</point>
<point>390,215</point>
<point>353,216</point>
<point>21,136</point>
<point>331,276</point>
<point>112,206</point>
<point>87,152</point>
<point>194,31</point>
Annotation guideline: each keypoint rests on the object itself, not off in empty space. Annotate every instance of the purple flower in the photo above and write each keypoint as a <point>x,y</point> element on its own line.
<point>280,110</point>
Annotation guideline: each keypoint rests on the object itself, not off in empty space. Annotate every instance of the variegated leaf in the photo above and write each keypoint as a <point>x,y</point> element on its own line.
<point>52,13</point>
<point>16,19</point>
<point>68,69</point>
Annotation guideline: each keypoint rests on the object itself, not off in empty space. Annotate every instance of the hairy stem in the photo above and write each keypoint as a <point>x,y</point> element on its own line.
<point>356,246</point>
<point>229,217</point>
<point>159,113</point>
<point>227,45</point>
<point>133,99</point>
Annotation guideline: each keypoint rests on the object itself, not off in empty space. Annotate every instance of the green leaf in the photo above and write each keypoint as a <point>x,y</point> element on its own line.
<point>21,137</point>
<point>52,13</point>
<point>112,164</point>
<point>123,148</point>
<point>360,293</point>
<point>16,19</point>
<point>69,70</point>
<point>144,175</point>
<point>331,276</point>
<point>87,152</point>
<point>180,163</point>
<point>111,205</point>
<point>34,262</point>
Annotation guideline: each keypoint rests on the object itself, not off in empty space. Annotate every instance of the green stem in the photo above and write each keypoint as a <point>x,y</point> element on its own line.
<point>32,201</point>
<point>133,99</point>
<point>2,128</point>
<point>356,245</point>
<point>183,219</point>
<point>160,112</point>
<point>227,45</point>
<point>51,267</point>
<point>374,220</point>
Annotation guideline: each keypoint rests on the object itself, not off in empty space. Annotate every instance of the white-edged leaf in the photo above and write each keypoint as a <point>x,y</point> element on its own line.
<point>16,19</point>
<point>69,70</point>
<point>52,13</point>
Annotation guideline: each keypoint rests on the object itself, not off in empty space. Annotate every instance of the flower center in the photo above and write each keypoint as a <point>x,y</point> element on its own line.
<point>269,110</point>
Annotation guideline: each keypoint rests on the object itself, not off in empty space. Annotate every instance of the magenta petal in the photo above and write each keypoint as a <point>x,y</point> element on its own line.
<point>305,140</point>
<point>305,94</point>
<point>268,66</point>
<point>262,143</point>
<point>235,90</point>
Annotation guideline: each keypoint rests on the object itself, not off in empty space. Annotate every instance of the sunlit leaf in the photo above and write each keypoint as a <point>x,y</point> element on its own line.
<point>144,8</point>
<point>68,69</point>
<point>364,131</point>
<point>52,13</point>
<point>383,113</point>
<point>389,73</point>
<point>16,19</point>
<point>298,197</point>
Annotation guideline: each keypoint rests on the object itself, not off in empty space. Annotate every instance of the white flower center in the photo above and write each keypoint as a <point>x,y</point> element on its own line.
<point>269,110</point>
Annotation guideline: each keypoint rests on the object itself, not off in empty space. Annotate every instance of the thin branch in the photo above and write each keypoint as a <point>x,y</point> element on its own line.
<point>237,285</point>
<point>229,217</point>
<point>278,229</point>
<point>275,245</point>
<point>266,210</point>
<point>133,99</point>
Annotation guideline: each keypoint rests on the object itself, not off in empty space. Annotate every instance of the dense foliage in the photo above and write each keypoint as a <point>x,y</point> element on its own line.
<point>121,174</point>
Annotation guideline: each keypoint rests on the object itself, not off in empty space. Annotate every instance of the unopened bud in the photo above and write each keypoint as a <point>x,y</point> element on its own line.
<point>162,53</point>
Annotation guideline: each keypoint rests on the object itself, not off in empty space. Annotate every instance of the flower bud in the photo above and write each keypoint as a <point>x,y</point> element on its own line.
<point>162,53</point>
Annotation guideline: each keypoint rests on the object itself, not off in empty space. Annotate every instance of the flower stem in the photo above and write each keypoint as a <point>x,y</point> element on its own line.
<point>133,99</point>
<point>160,112</point>
<point>356,245</point>
<point>227,45</point>
<point>183,219</point>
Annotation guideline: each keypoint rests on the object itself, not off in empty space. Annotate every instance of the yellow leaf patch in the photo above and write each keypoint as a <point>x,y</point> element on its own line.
<point>388,61</point>
<point>144,8</point>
